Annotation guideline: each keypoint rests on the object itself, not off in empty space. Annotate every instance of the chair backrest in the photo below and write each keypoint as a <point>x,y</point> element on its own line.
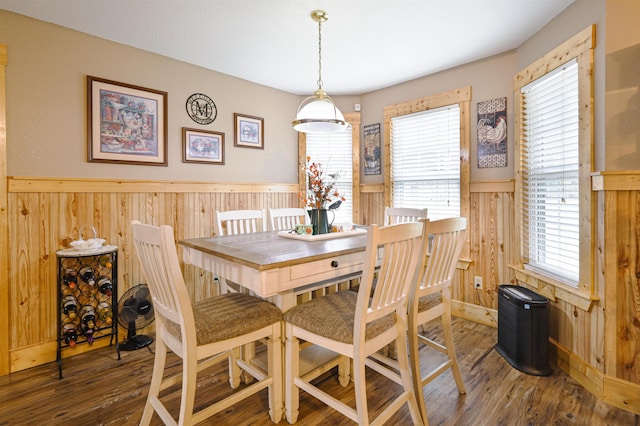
<point>234,222</point>
<point>442,250</point>
<point>287,218</point>
<point>401,246</point>
<point>156,250</point>
<point>394,215</point>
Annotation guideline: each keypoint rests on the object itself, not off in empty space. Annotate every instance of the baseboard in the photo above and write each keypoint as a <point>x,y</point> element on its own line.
<point>619,393</point>
<point>475,313</point>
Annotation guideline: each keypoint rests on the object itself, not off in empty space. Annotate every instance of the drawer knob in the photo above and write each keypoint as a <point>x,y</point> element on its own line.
<point>334,263</point>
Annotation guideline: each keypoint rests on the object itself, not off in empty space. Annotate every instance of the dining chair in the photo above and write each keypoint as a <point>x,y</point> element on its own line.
<point>287,218</point>
<point>430,298</point>
<point>233,222</point>
<point>209,330</point>
<point>355,325</point>
<point>402,215</point>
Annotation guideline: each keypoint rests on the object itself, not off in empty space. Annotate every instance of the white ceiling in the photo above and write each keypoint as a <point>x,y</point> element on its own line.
<point>366,44</point>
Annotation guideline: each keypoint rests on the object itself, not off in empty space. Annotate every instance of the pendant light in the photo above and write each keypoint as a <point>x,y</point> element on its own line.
<point>318,113</point>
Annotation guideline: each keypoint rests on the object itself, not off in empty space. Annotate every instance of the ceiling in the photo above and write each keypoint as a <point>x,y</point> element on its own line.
<point>366,44</point>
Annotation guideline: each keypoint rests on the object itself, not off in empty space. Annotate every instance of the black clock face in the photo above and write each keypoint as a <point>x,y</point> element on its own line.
<point>201,108</point>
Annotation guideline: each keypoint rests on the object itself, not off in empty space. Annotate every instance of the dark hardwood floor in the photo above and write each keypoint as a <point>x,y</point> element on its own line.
<point>97,389</point>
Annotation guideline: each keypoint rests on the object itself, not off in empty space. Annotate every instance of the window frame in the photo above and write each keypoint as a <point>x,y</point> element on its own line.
<point>354,120</point>
<point>461,97</point>
<point>580,47</point>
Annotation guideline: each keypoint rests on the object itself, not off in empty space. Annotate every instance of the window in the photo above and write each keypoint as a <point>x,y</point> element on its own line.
<point>425,161</point>
<point>550,174</point>
<point>334,152</point>
<point>428,154</point>
<point>554,139</point>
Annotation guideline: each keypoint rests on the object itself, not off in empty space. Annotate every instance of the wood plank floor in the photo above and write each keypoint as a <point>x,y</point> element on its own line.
<point>97,389</point>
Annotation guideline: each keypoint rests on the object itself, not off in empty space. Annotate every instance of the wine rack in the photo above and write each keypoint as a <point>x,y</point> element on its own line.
<point>87,298</point>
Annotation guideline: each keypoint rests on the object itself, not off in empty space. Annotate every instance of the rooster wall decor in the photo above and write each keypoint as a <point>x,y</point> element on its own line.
<point>492,133</point>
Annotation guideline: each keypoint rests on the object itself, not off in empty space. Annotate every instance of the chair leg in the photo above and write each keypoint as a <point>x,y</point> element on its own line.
<point>417,416</point>
<point>274,356</point>
<point>234,370</point>
<point>414,357</point>
<point>248,354</point>
<point>360,387</point>
<point>187,398</point>
<point>292,371</point>
<point>156,381</point>
<point>344,372</point>
<point>451,349</point>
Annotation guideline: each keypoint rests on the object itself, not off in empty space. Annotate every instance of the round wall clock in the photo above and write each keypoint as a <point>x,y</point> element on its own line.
<point>201,108</point>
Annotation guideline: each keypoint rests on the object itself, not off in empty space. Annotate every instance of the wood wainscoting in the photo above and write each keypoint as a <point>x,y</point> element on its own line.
<point>46,214</point>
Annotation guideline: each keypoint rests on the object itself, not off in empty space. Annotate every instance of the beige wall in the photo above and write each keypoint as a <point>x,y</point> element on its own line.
<point>46,95</point>
<point>572,20</point>
<point>489,78</point>
<point>622,107</point>
<point>46,108</point>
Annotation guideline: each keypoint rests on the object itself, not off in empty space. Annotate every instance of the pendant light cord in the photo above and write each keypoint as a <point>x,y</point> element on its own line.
<point>320,54</point>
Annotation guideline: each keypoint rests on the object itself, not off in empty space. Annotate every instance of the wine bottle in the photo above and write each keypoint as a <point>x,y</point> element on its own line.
<point>105,260</point>
<point>70,334</point>
<point>70,278</point>
<point>70,306</point>
<point>105,313</point>
<point>88,322</point>
<point>87,275</point>
<point>105,286</point>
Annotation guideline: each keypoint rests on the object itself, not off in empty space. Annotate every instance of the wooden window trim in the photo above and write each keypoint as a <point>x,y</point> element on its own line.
<point>581,48</point>
<point>460,96</point>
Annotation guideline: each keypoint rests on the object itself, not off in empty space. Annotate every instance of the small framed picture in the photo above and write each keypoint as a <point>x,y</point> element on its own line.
<point>127,124</point>
<point>249,131</point>
<point>202,146</point>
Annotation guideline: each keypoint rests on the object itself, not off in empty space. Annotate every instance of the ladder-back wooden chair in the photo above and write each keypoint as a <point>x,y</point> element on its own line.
<point>394,215</point>
<point>287,218</point>
<point>430,299</point>
<point>233,222</point>
<point>355,325</point>
<point>206,331</point>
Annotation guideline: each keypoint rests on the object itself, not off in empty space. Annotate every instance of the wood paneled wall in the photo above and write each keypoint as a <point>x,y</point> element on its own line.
<point>601,351</point>
<point>46,214</point>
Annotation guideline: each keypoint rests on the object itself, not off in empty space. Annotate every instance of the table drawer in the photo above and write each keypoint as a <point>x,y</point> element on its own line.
<point>345,263</point>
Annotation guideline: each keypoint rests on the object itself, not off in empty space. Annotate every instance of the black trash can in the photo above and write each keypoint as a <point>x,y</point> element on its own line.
<point>523,329</point>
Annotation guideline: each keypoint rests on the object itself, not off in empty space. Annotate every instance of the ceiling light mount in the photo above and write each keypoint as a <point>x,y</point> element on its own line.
<point>318,113</point>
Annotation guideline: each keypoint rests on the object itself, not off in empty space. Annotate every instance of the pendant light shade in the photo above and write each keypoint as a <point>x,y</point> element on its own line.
<point>318,113</point>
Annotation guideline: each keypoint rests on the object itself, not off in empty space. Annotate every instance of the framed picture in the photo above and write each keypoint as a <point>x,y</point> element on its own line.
<point>200,146</point>
<point>492,133</point>
<point>249,131</point>
<point>127,124</point>
<point>372,163</point>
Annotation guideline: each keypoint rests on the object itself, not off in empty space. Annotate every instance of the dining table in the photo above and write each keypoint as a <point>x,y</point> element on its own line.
<point>278,265</point>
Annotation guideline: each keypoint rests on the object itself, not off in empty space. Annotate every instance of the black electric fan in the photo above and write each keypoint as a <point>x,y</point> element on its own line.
<point>135,311</point>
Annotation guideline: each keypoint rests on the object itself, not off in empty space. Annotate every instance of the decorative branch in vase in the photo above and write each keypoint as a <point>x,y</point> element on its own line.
<point>321,191</point>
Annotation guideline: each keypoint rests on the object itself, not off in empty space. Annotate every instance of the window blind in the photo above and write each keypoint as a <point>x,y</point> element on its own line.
<point>425,161</point>
<point>550,178</point>
<point>334,152</point>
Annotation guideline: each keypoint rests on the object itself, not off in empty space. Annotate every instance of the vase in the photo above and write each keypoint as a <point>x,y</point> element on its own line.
<point>320,221</point>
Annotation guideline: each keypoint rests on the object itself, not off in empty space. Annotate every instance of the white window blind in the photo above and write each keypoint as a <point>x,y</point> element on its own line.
<point>334,152</point>
<point>425,161</point>
<point>550,180</point>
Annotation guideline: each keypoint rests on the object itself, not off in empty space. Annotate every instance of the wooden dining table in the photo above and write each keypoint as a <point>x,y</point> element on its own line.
<point>277,265</point>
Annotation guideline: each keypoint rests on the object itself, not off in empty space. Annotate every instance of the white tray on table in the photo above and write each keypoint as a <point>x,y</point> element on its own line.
<point>329,236</point>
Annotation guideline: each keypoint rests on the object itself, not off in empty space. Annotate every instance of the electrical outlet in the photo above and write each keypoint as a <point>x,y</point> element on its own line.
<point>477,282</point>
